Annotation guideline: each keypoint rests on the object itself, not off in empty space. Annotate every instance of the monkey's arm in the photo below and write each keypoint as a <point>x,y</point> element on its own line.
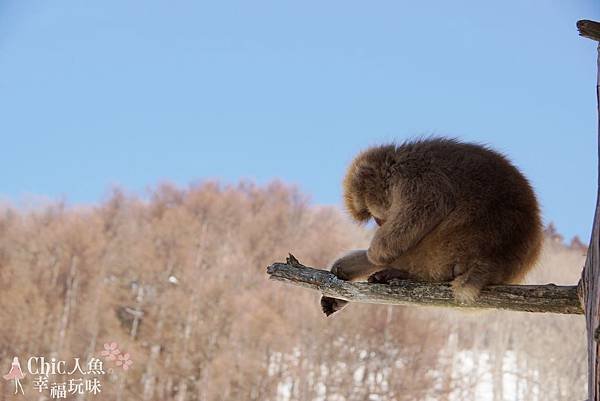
<point>414,212</point>
<point>352,266</point>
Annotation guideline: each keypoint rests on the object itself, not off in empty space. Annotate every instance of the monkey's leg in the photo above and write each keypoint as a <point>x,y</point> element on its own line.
<point>351,267</point>
<point>468,284</point>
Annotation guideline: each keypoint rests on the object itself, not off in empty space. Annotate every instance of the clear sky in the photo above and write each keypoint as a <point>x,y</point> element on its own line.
<point>94,94</point>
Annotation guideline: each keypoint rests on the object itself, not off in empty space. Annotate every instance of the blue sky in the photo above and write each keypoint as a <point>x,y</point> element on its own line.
<point>94,94</point>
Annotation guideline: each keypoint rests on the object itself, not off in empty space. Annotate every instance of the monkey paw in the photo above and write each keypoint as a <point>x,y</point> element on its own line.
<point>331,305</point>
<point>387,275</point>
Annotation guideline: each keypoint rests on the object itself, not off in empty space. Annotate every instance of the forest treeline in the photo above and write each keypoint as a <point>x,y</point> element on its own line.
<point>178,280</point>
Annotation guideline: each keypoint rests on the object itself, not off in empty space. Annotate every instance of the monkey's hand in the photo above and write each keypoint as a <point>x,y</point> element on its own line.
<point>351,266</point>
<point>331,305</point>
<point>387,276</point>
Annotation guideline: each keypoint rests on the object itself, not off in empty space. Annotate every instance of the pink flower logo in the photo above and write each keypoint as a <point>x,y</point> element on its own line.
<point>124,361</point>
<point>110,351</point>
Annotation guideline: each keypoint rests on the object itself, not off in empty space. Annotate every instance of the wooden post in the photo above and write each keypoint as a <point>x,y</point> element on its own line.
<point>590,277</point>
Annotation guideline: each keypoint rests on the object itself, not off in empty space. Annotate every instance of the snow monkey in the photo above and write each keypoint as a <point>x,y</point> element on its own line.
<point>446,211</point>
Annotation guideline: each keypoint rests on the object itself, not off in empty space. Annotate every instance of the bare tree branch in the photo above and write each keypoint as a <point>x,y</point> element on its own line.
<point>547,298</point>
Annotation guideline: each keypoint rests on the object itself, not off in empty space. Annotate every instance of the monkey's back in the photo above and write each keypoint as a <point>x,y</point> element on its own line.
<point>495,220</point>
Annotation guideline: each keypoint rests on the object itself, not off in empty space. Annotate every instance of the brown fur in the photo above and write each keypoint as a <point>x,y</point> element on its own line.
<point>448,211</point>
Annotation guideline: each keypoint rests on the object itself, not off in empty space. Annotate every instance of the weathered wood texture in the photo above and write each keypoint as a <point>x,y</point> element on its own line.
<point>589,29</point>
<point>525,298</point>
<point>590,277</point>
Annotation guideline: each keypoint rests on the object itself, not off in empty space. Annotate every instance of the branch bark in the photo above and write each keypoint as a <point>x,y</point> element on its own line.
<point>547,298</point>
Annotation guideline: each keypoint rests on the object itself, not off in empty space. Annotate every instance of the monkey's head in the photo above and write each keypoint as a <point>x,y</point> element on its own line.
<point>367,184</point>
